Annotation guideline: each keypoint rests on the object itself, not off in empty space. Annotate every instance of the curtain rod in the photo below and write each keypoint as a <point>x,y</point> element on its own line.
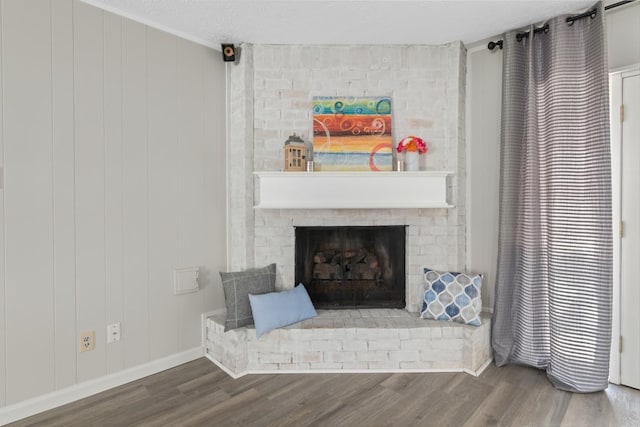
<point>570,20</point>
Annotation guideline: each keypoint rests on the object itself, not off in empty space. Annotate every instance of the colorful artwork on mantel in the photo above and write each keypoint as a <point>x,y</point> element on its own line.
<point>352,133</point>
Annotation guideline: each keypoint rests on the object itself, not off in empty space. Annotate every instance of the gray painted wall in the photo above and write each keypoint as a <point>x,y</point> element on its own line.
<point>484,92</point>
<point>623,35</point>
<point>112,141</point>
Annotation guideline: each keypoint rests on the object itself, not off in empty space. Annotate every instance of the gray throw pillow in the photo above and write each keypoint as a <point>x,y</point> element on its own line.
<point>237,287</point>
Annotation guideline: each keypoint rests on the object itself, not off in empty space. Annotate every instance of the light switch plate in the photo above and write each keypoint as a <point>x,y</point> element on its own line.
<point>113,333</point>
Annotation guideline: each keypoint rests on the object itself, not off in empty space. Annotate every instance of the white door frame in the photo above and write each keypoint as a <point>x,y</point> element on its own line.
<point>615,96</point>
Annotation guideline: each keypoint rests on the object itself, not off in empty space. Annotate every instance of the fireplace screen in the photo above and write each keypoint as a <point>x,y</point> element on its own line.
<point>352,267</point>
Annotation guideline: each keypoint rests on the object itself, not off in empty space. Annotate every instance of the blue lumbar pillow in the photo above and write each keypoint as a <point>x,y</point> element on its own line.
<point>277,309</point>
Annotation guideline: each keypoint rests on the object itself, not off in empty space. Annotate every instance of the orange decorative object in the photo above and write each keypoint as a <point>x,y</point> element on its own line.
<point>411,144</point>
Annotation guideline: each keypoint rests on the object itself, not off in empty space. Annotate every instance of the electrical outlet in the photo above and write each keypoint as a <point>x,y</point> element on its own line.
<point>86,341</point>
<point>113,333</point>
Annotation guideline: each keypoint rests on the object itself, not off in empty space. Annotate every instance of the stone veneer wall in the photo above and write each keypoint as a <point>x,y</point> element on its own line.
<point>270,98</point>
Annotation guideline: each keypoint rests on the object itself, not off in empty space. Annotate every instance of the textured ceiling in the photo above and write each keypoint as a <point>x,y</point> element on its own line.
<point>212,22</point>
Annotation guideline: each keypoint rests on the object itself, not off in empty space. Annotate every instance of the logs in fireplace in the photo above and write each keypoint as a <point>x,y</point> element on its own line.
<point>352,267</point>
<point>349,264</point>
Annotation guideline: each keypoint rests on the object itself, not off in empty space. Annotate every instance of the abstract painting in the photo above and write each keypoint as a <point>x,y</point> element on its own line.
<point>352,133</point>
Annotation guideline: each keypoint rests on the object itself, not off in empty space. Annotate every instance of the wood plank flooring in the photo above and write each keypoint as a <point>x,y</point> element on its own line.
<point>200,394</point>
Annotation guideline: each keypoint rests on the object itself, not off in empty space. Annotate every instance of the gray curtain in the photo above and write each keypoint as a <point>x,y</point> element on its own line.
<point>553,289</point>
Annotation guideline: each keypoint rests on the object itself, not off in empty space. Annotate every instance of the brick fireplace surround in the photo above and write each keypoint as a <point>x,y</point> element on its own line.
<point>270,93</point>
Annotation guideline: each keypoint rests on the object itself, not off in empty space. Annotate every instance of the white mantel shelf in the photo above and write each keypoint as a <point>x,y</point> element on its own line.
<point>352,190</point>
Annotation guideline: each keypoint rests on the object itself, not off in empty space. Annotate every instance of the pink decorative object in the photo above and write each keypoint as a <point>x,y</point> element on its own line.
<point>411,144</point>
<point>412,147</point>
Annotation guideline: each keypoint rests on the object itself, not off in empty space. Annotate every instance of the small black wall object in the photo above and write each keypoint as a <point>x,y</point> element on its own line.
<point>228,53</point>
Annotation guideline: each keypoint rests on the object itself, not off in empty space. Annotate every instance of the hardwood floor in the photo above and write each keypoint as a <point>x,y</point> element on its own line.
<point>200,394</point>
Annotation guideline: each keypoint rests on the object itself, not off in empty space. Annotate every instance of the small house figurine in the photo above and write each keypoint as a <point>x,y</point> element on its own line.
<point>294,154</point>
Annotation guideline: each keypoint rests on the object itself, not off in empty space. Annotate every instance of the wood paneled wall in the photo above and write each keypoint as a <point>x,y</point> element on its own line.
<point>112,144</point>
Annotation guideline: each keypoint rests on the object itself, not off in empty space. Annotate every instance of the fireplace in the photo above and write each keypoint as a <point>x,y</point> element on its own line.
<point>352,267</point>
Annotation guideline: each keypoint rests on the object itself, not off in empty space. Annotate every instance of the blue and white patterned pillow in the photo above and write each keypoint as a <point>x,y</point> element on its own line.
<point>452,296</point>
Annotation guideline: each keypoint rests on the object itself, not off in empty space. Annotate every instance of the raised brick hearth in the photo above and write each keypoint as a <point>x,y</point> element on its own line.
<point>384,340</point>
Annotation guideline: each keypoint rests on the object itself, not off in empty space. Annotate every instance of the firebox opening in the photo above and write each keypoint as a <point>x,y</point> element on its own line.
<point>352,267</point>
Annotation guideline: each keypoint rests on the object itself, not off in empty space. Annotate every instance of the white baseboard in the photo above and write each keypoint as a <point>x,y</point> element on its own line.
<point>224,368</point>
<point>57,398</point>
<point>481,369</point>
<point>233,375</point>
<point>353,371</point>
